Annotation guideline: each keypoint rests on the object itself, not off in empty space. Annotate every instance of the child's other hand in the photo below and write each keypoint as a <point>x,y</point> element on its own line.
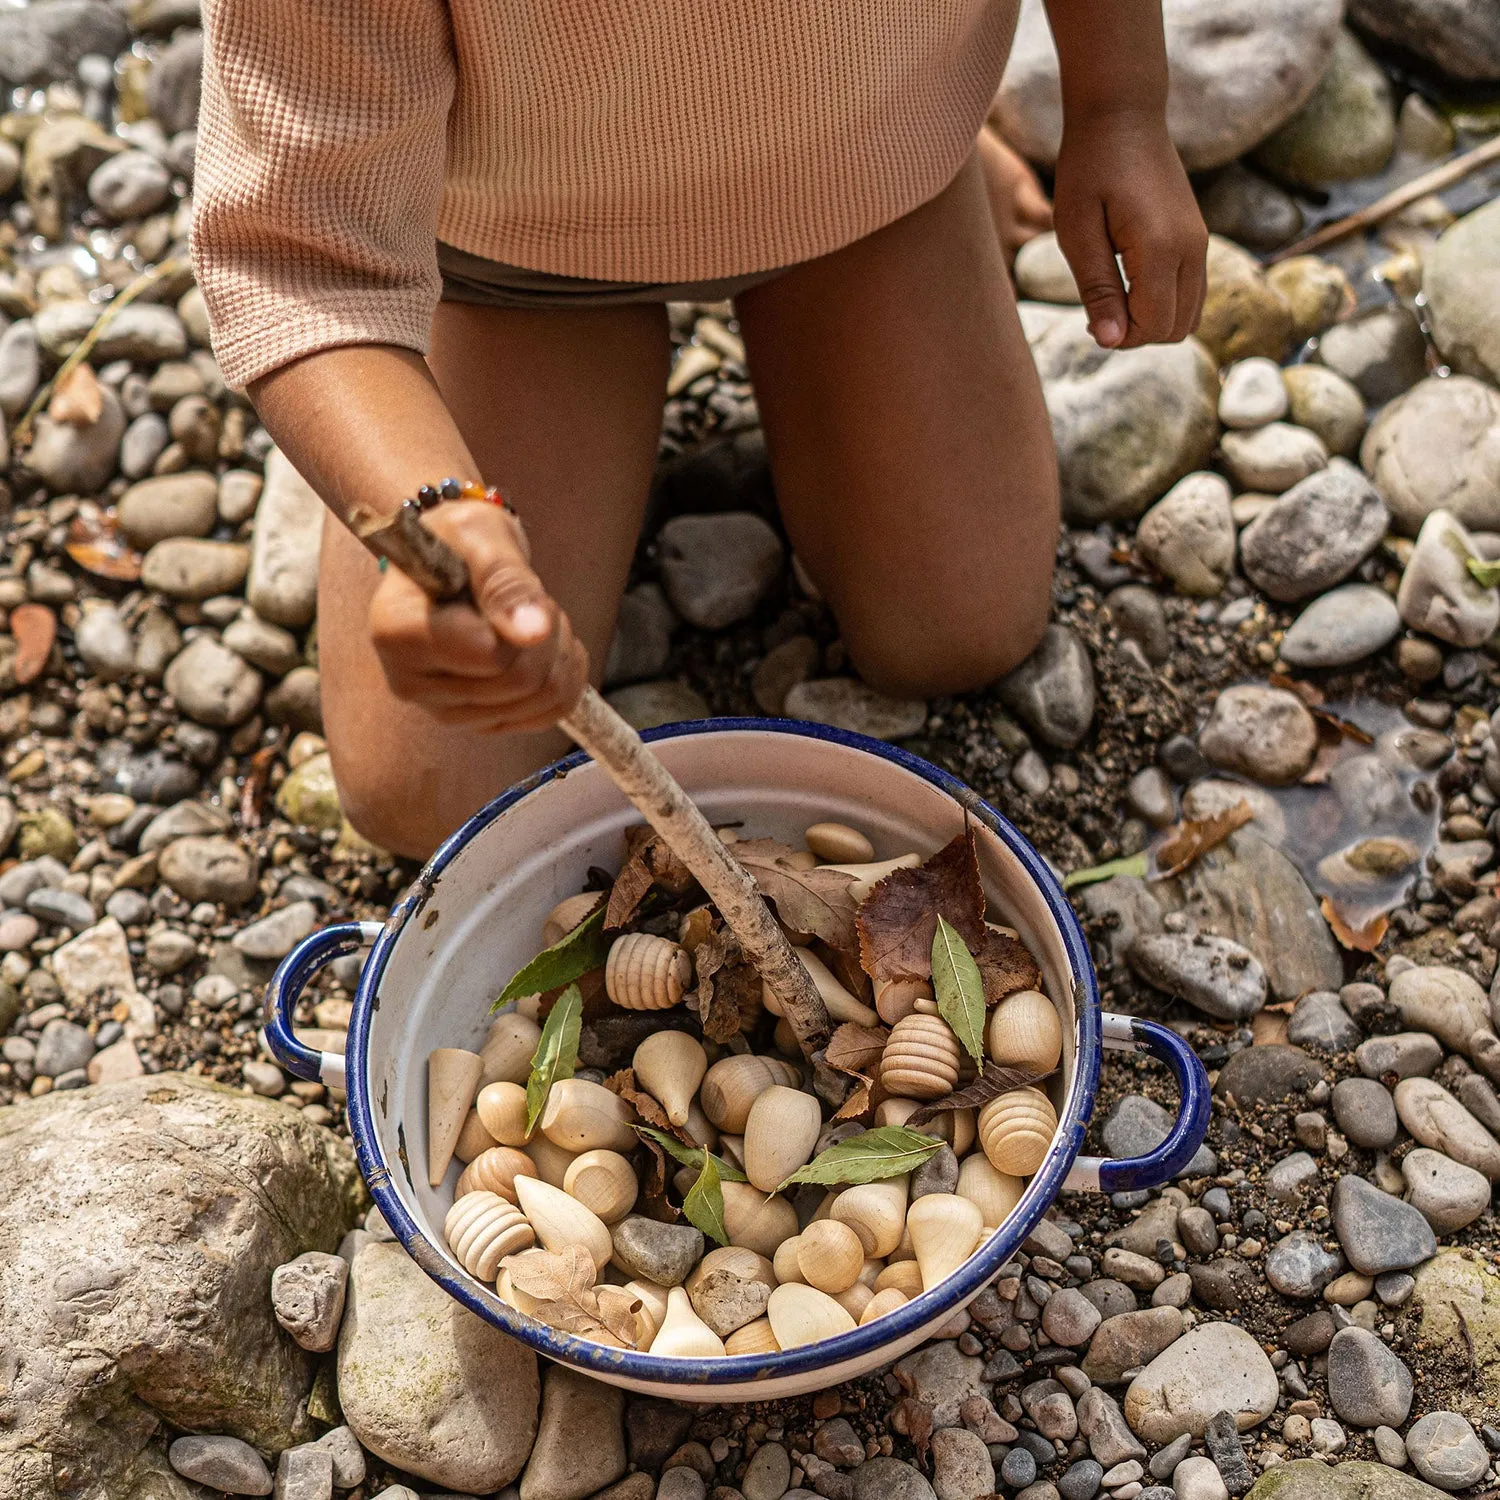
<point>1121,188</point>
<point>508,661</point>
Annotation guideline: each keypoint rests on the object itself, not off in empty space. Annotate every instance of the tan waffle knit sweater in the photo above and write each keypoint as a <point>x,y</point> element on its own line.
<point>620,140</point>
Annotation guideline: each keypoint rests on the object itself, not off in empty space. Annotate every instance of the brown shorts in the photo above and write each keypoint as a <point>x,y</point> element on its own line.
<point>492,283</point>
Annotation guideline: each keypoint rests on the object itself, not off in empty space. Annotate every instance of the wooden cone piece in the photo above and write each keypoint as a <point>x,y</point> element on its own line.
<point>670,1065</point>
<point>452,1078</point>
<point>944,1230</point>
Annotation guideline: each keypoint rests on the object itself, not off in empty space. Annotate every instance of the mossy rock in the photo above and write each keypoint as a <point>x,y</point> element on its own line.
<point>1312,1479</point>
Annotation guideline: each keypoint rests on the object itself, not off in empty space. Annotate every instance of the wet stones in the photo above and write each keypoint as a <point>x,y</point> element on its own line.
<point>1273,458</point>
<point>1459,283</point>
<point>1264,733</point>
<point>1214,974</point>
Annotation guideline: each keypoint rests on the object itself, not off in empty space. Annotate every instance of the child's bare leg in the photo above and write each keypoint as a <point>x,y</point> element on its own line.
<point>1020,208</point>
<point>563,410</point>
<point>910,445</point>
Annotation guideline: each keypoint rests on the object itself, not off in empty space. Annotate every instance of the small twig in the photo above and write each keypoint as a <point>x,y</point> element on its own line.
<point>1463,1324</point>
<point>21,433</point>
<point>1382,208</point>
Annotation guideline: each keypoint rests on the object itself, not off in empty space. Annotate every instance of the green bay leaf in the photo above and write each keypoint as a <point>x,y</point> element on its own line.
<point>704,1204</point>
<point>959,988</point>
<point>1133,864</point>
<point>887,1151</point>
<point>689,1156</point>
<point>556,1053</point>
<point>569,958</point>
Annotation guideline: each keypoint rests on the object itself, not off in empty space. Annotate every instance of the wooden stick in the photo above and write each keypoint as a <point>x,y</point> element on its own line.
<point>626,759</point>
<point>1382,208</point>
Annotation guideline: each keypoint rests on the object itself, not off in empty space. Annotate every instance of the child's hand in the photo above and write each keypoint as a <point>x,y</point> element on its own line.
<point>1121,188</point>
<point>509,661</point>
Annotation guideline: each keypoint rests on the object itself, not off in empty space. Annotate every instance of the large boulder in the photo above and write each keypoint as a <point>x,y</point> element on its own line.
<point>1462,38</point>
<point>1239,68</point>
<point>1458,1302</point>
<point>1462,282</point>
<point>140,1223</point>
<point>1314,1479</point>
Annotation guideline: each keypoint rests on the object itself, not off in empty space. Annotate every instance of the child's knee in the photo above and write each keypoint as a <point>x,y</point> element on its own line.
<point>379,804</point>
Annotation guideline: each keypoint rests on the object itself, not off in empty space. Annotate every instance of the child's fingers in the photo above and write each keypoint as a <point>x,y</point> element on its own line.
<point>1190,292</point>
<point>405,622</point>
<point>507,593</point>
<point>1091,255</point>
<point>1153,296</point>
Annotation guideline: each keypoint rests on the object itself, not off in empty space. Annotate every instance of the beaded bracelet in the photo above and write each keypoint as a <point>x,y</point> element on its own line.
<point>465,489</point>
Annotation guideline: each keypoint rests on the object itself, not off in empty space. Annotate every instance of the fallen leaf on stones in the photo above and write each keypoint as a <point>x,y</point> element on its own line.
<point>98,546</point>
<point>1310,695</point>
<point>34,627</point>
<point>861,1099</point>
<point>257,781</point>
<point>1329,723</point>
<point>1132,864</point>
<point>899,918</point>
<point>856,1049</point>
<point>1196,836</point>
<point>1006,966</point>
<point>916,1417</point>
<point>1362,939</point>
<point>726,993</point>
<point>812,901</point>
<point>994,1081</point>
<point>76,398</point>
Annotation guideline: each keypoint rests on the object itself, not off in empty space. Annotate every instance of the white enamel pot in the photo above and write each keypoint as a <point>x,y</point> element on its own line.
<point>473,917</point>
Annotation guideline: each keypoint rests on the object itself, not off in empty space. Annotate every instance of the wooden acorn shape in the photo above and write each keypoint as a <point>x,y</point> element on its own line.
<point>604,1182</point>
<point>876,1212</point>
<point>753,1338</point>
<point>840,1003</point>
<point>1016,1129</point>
<point>502,1112</point>
<point>904,1276</point>
<point>780,1133</point>
<point>1025,1032</point>
<point>737,1260</point>
<point>482,1229</point>
<point>509,1046</point>
<point>651,1313</point>
<point>895,998</point>
<point>996,1192</point>
<point>452,1078</point>
<point>734,1083</point>
<point>670,1065</point>
<point>838,843</point>
<point>920,1060</point>
<point>803,1315</point>
<point>473,1138</point>
<point>495,1171</point>
<point>854,1299</point>
<point>683,1334</point>
<point>644,972</point>
<point>560,1221</point>
<point>882,1303</point>
<point>944,1230</point>
<point>755,1221</point>
<point>584,1116</point>
<point>567,914</point>
<point>552,1162</point>
<point>784,1262</point>
<point>830,1256</point>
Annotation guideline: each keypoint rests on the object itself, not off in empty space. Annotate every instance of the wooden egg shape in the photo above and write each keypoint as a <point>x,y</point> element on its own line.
<point>854,1299</point>
<point>944,1230</point>
<point>567,914</point>
<point>584,1116</point>
<point>920,1060</point>
<point>734,1083</point>
<point>1025,1031</point>
<point>753,1338</point>
<point>683,1334</point>
<point>882,1303</point>
<point>838,843</point>
<point>876,1212</point>
<point>757,1222</point>
<point>744,1264</point>
<point>1016,1129</point>
<point>495,1171</point>
<point>502,1112</point>
<point>784,1262</point>
<point>996,1192</point>
<point>780,1133</point>
<point>895,998</point>
<point>644,972</point>
<point>452,1079</point>
<point>509,1046</point>
<point>473,1138</point>
<point>830,1256</point>
<point>482,1229</point>
<point>604,1182</point>
<point>560,1221</point>
<point>904,1276</point>
<point>651,1313</point>
<point>840,1003</point>
<point>670,1065</point>
<point>803,1315</point>
<point>552,1162</point>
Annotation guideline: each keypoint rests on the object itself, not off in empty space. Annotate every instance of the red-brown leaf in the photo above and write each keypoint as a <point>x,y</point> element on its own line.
<point>76,398</point>
<point>898,920</point>
<point>1196,836</point>
<point>98,546</point>
<point>814,901</point>
<point>1005,966</point>
<point>648,862</point>
<point>34,627</point>
<point>1365,938</point>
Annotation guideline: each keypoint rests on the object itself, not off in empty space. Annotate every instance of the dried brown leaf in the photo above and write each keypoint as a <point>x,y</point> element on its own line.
<point>861,1100</point>
<point>552,1275</point>
<point>648,862</point>
<point>34,629</point>
<point>856,1049</point>
<point>696,926</point>
<point>617,1310</point>
<point>845,966</point>
<point>1194,837</point>
<point>736,1001</point>
<point>1310,695</point>
<point>916,1417</point>
<point>1006,966</point>
<point>98,546</point>
<point>898,920</point>
<point>994,1081</point>
<point>76,398</point>
<point>813,901</point>
<point>1365,938</point>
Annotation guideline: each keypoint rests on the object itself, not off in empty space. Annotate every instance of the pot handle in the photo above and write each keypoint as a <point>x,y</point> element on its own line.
<point>285,989</point>
<point>1104,1175</point>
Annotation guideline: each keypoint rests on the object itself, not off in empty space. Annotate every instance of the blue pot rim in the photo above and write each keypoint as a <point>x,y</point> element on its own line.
<point>980,1268</point>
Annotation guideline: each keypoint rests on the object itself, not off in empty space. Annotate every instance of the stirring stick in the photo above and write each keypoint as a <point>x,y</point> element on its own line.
<point>625,758</point>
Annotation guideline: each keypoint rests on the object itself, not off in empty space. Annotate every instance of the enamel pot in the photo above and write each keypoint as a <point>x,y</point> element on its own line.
<point>473,916</point>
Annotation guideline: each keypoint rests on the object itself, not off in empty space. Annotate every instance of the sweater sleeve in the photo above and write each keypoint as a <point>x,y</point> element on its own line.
<point>319,172</point>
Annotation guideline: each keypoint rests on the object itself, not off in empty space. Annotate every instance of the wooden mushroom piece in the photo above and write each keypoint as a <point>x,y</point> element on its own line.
<point>876,1212</point>
<point>830,1256</point>
<point>780,1134</point>
<point>683,1334</point>
<point>944,1230</point>
<point>645,972</point>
